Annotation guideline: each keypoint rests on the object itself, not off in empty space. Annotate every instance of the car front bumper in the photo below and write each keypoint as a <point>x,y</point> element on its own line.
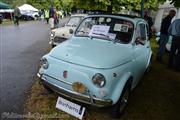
<point>88,99</point>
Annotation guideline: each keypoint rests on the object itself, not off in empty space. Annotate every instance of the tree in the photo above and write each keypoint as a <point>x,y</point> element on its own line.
<point>14,3</point>
<point>176,3</point>
<point>99,5</point>
<point>115,5</point>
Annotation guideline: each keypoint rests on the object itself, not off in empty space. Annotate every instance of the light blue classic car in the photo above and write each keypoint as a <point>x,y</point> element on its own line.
<point>101,63</point>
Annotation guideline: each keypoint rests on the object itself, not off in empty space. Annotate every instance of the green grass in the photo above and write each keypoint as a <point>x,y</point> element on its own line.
<point>7,22</point>
<point>157,97</point>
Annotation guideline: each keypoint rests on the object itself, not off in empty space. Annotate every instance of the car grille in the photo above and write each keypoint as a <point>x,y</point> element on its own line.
<point>59,39</point>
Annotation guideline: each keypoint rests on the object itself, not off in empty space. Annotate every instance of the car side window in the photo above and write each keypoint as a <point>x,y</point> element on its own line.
<point>141,32</point>
<point>148,32</point>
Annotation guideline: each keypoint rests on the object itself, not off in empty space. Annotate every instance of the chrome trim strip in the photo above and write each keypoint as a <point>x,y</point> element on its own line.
<point>58,79</point>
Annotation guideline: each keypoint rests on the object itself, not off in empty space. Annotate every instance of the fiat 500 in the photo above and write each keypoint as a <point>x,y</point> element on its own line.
<point>63,33</point>
<point>101,63</point>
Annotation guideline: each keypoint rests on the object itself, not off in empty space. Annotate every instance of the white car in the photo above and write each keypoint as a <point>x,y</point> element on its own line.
<point>61,34</point>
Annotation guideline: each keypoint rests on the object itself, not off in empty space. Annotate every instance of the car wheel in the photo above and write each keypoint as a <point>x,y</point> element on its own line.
<point>119,107</point>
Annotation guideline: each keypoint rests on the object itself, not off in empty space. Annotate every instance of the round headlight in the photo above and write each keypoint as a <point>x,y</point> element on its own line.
<point>99,80</point>
<point>44,63</point>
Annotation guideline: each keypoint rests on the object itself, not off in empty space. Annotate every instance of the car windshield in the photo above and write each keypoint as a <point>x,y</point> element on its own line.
<point>74,21</point>
<point>107,28</point>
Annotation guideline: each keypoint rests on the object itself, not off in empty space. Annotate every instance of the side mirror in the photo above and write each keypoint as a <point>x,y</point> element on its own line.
<point>139,41</point>
<point>71,31</point>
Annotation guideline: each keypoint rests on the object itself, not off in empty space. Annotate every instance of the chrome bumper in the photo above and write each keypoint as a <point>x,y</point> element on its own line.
<point>88,99</point>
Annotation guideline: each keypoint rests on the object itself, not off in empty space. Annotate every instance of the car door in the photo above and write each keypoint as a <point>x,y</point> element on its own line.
<point>141,51</point>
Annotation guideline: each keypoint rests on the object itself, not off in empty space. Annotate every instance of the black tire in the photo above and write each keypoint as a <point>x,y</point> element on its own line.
<point>119,107</point>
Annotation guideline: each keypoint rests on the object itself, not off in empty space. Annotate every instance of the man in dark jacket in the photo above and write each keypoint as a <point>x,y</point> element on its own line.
<point>166,22</point>
<point>51,16</point>
<point>174,30</point>
<point>17,14</point>
<point>149,21</point>
<point>51,12</point>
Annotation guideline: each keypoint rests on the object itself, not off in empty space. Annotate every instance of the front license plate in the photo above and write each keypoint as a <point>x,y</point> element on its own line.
<point>70,107</point>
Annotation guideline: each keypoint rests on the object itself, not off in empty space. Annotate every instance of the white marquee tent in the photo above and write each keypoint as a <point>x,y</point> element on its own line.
<point>26,8</point>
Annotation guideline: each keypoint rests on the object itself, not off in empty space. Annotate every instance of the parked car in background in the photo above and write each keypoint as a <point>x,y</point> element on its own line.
<point>101,63</point>
<point>63,33</point>
<point>26,17</point>
<point>1,18</point>
<point>29,16</point>
<point>35,15</point>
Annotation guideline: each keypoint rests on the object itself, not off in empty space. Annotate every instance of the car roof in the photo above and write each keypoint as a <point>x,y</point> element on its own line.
<point>131,18</point>
<point>74,15</point>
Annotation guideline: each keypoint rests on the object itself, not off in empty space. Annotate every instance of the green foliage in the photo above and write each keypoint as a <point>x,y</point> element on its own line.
<point>14,3</point>
<point>6,1</point>
<point>115,5</point>
<point>176,3</point>
<point>100,5</point>
<point>40,4</point>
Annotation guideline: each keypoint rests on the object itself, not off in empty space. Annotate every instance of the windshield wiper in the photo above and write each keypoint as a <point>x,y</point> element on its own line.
<point>85,35</point>
<point>106,36</point>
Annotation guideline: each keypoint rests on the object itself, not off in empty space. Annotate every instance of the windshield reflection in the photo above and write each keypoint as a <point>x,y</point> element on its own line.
<point>107,28</point>
<point>74,21</point>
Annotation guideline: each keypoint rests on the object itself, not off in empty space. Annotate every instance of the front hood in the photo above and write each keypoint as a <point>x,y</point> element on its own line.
<point>96,53</point>
<point>64,32</point>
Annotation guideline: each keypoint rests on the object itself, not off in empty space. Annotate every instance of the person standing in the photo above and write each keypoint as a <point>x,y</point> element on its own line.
<point>174,30</point>
<point>51,16</point>
<point>56,18</point>
<point>166,22</point>
<point>46,15</point>
<point>17,14</point>
<point>149,21</point>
